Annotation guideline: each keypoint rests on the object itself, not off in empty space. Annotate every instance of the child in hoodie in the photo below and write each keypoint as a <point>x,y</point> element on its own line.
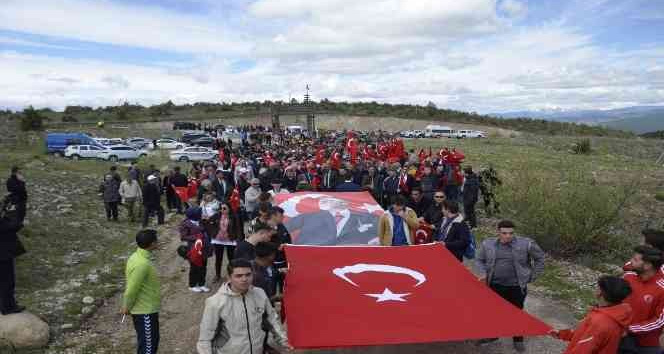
<point>192,232</point>
<point>601,331</point>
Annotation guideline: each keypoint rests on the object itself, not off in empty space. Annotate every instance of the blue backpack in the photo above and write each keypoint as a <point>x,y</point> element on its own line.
<point>472,246</point>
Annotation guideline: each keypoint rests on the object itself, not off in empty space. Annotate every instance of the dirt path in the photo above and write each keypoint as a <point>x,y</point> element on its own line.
<point>182,310</point>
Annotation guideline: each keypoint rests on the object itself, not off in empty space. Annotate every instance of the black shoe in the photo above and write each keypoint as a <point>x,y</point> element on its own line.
<point>17,309</point>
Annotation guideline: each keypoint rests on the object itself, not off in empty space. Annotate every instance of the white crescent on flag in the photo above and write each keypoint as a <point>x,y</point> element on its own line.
<point>382,268</point>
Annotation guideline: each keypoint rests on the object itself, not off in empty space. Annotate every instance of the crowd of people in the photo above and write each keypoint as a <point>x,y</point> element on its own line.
<point>230,211</point>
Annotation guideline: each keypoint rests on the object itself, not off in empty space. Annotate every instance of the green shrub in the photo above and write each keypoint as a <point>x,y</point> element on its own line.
<point>659,196</point>
<point>570,216</point>
<point>31,120</point>
<point>582,147</point>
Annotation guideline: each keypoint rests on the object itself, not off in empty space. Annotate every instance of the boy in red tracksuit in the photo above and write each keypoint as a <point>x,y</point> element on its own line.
<point>646,300</point>
<point>602,329</point>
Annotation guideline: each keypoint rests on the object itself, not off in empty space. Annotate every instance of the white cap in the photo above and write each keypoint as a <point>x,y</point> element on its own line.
<point>151,177</point>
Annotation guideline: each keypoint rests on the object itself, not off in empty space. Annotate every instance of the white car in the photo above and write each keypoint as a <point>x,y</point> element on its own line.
<point>470,134</point>
<point>76,152</point>
<point>121,152</point>
<point>140,143</point>
<point>193,153</point>
<point>170,144</point>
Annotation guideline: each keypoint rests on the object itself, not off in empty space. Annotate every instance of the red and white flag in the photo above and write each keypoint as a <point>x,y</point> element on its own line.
<point>361,296</point>
<point>331,218</point>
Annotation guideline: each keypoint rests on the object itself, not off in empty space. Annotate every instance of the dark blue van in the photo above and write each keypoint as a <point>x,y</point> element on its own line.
<point>57,142</point>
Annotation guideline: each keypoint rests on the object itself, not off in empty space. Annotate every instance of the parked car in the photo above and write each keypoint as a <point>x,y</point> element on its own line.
<point>56,143</point>
<point>121,152</point>
<point>205,141</point>
<point>418,133</point>
<point>235,137</point>
<point>139,143</point>
<point>76,152</point>
<point>193,153</point>
<point>460,134</point>
<point>169,144</point>
<point>187,138</point>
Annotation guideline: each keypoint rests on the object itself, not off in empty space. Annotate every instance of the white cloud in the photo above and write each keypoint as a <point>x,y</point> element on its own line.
<point>468,55</point>
<point>112,23</point>
<point>514,8</point>
<point>22,42</point>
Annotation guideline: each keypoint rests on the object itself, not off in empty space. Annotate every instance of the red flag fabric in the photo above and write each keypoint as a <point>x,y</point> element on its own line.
<point>222,155</point>
<point>423,234</point>
<point>192,188</point>
<point>320,155</point>
<point>234,200</point>
<point>331,218</point>
<point>391,295</point>
<point>182,193</point>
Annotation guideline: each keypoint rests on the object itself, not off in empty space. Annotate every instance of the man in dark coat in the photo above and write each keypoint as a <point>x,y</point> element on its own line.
<point>10,248</point>
<point>329,181</point>
<point>418,202</point>
<point>178,179</point>
<point>152,201</point>
<point>453,232</point>
<point>18,194</point>
<point>222,187</point>
<point>471,190</point>
<point>434,214</point>
<point>347,185</point>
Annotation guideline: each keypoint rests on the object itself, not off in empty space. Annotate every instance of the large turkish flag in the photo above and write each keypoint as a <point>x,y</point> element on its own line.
<point>361,295</point>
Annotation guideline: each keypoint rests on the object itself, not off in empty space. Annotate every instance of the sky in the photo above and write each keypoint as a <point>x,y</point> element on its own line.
<point>481,56</point>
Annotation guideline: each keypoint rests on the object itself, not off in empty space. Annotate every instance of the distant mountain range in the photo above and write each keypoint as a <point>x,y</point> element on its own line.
<point>639,119</point>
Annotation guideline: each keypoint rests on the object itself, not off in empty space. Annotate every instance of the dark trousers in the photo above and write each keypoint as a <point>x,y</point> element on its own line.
<point>219,257</point>
<point>469,211</point>
<point>629,345</point>
<point>7,284</point>
<point>147,333</point>
<point>111,210</point>
<point>197,274</point>
<point>171,200</point>
<point>146,215</point>
<point>514,295</point>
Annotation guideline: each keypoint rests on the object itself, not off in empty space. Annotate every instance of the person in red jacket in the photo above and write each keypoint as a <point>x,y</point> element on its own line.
<point>646,300</point>
<point>601,331</point>
<point>653,238</point>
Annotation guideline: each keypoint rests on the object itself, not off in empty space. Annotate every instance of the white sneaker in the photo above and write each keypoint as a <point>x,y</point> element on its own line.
<point>196,289</point>
<point>204,289</point>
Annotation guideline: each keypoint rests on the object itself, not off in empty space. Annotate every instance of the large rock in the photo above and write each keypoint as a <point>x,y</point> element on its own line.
<point>24,330</point>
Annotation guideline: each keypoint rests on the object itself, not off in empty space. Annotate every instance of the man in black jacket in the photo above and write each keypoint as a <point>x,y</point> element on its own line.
<point>418,202</point>
<point>18,194</point>
<point>471,190</point>
<point>453,232</point>
<point>222,187</point>
<point>10,248</point>
<point>178,180</point>
<point>329,182</point>
<point>152,201</point>
<point>434,215</point>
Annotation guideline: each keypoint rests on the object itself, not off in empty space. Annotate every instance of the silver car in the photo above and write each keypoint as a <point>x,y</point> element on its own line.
<point>193,153</point>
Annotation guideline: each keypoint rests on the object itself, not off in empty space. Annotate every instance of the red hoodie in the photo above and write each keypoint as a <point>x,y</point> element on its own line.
<point>599,332</point>
<point>647,302</point>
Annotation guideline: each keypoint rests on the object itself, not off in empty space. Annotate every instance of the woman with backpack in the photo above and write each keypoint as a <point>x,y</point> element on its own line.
<point>199,248</point>
<point>225,239</point>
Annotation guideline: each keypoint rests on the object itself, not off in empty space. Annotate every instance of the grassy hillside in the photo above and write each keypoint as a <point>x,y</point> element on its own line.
<point>253,110</point>
<point>640,125</point>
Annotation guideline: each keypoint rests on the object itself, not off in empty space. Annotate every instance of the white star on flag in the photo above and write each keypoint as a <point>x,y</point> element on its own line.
<point>388,295</point>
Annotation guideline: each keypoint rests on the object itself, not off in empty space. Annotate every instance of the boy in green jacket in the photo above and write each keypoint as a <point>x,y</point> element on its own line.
<point>142,296</point>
